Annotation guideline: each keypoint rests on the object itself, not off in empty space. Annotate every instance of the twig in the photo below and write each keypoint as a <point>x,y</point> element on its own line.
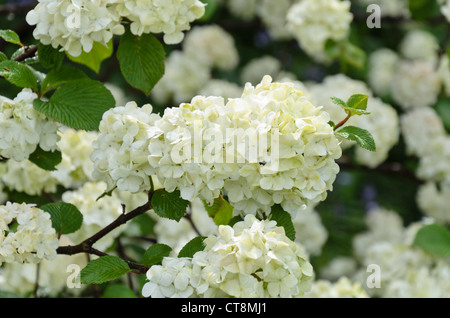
<point>29,52</point>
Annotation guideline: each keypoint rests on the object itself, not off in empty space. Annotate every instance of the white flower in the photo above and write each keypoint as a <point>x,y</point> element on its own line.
<point>212,45</point>
<point>419,45</point>
<point>22,128</point>
<point>390,8</point>
<point>219,87</point>
<point>33,238</point>
<point>75,25</point>
<point>258,67</point>
<point>445,8</point>
<point>170,17</point>
<point>434,165</point>
<point>310,232</point>
<point>313,22</point>
<point>415,84</point>
<point>343,288</point>
<point>273,15</point>
<point>418,127</point>
<point>434,201</point>
<point>382,63</point>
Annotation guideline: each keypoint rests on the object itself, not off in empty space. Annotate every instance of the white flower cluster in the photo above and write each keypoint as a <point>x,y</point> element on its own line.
<point>343,288</point>
<point>96,213</point>
<point>251,259</point>
<point>445,8</point>
<point>406,271</point>
<point>75,25</point>
<point>22,128</point>
<point>76,166</point>
<point>25,176</point>
<point>434,199</point>
<point>419,126</point>
<point>27,235</point>
<point>170,17</point>
<point>434,165</point>
<point>220,87</point>
<point>297,168</point>
<point>382,64</point>
<point>188,71</point>
<point>313,22</point>
<point>419,44</point>
<point>416,83</point>
<point>255,69</point>
<point>382,122</point>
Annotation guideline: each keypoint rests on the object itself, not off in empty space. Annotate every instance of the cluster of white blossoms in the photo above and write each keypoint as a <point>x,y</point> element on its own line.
<point>219,87</point>
<point>313,22</point>
<point>434,199</point>
<point>22,128</point>
<point>255,69</point>
<point>26,234</point>
<point>445,8</point>
<point>406,271</point>
<point>419,126</point>
<point>381,66</point>
<point>270,146</point>
<point>416,83</point>
<point>418,44</point>
<point>434,165</point>
<point>382,122</point>
<point>97,213</point>
<point>76,25</point>
<point>251,259</point>
<point>343,288</point>
<point>204,49</point>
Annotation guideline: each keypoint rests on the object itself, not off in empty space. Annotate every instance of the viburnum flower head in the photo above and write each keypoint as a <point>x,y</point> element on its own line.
<point>26,234</point>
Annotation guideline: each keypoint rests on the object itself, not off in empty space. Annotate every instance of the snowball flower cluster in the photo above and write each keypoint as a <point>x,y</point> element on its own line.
<point>251,259</point>
<point>22,128</point>
<point>434,199</point>
<point>416,83</point>
<point>170,17</point>
<point>212,45</point>
<point>270,146</point>
<point>27,235</point>
<point>76,25</point>
<point>343,288</point>
<point>382,64</point>
<point>390,8</point>
<point>434,165</point>
<point>313,22</point>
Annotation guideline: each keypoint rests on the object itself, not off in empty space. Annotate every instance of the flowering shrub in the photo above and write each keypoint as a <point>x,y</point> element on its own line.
<point>224,149</point>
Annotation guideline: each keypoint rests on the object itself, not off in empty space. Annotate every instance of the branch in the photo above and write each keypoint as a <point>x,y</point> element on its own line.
<point>86,245</point>
<point>29,52</point>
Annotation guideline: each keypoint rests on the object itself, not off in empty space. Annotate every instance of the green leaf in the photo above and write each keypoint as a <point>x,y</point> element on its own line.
<point>210,9</point>
<point>358,101</point>
<point>118,291</point>
<point>50,57</point>
<point>78,104</point>
<point>169,204</point>
<point>283,219</point>
<point>353,55</point>
<point>141,60</point>
<point>221,211</point>
<point>3,57</point>
<point>10,36</point>
<point>18,74</point>
<point>95,57</point>
<point>155,254</point>
<point>362,137</point>
<point>339,102</point>
<point>103,269</point>
<point>434,239</point>
<point>66,218</point>
<point>60,76</point>
<point>47,160</point>
<point>193,246</point>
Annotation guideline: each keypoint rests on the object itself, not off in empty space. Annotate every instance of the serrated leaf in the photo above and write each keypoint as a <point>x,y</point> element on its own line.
<point>221,211</point>
<point>141,60</point>
<point>362,137</point>
<point>18,74</point>
<point>193,246</point>
<point>60,76</point>
<point>339,102</point>
<point>10,36</point>
<point>95,57</point>
<point>155,254</point>
<point>103,269</point>
<point>169,204</point>
<point>66,218</point>
<point>358,101</point>
<point>3,57</point>
<point>47,160</point>
<point>283,219</point>
<point>435,239</point>
<point>78,104</point>
<point>50,57</point>
<point>118,291</point>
